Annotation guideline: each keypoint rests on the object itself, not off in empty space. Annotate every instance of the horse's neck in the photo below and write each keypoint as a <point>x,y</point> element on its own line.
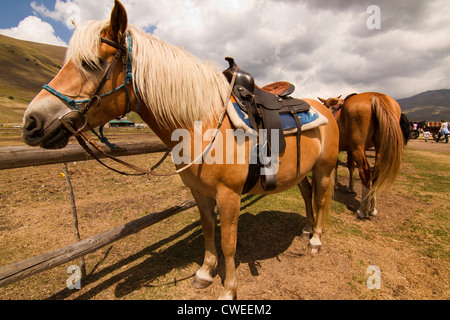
<point>162,132</point>
<point>165,132</point>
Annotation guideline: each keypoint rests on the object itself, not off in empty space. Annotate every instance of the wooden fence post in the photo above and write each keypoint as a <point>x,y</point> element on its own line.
<point>74,214</point>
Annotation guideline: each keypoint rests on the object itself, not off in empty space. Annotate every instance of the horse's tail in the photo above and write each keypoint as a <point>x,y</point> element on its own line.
<point>404,125</point>
<point>391,141</point>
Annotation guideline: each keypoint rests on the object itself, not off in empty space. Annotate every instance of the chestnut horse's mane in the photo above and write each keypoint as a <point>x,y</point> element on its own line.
<point>176,86</point>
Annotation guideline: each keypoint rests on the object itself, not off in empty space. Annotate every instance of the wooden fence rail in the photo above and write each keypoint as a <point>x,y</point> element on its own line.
<point>25,268</point>
<point>19,157</point>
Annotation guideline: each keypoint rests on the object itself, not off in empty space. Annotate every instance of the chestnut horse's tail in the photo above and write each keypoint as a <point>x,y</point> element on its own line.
<point>390,138</point>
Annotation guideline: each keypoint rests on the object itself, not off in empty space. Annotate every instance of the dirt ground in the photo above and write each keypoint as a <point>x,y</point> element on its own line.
<point>407,240</point>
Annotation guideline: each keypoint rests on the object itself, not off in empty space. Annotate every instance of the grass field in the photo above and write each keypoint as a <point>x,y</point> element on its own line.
<point>408,240</point>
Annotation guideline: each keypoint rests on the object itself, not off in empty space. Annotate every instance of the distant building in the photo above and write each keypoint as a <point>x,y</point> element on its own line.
<point>121,123</point>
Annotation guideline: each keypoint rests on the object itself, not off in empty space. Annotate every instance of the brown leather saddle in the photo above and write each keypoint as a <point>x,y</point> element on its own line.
<point>263,107</point>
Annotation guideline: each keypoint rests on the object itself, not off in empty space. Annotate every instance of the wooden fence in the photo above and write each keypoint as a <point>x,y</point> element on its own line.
<point>25,268</point>
<point>18,157</point>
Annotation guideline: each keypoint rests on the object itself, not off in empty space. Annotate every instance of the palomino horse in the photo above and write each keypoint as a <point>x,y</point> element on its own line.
<point>369,120</point>
<point>170,89</point>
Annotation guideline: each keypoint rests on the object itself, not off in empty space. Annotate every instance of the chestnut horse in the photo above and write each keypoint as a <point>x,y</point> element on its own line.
<point>170,89</point>
<point>369,120</point>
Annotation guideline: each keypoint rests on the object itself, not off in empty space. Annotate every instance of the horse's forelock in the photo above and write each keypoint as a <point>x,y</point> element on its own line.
<point>83,46</point>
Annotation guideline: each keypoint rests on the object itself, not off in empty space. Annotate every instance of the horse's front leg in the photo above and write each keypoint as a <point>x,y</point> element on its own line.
<point>203,276</point>
<point>228,204</point>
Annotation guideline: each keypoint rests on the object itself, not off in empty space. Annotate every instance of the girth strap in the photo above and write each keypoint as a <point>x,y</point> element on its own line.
<point>298,122</point>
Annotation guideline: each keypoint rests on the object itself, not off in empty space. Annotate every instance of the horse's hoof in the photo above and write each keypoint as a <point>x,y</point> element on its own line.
<point>201,283</point>
<point>361,215</point>
<point>314,249</point>
<point>227,296</point>
<point>306,235</point>
<point>374,213</point>
<point>314,245</point>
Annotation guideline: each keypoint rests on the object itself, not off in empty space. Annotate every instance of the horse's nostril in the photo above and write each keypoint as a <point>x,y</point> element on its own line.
<point>32,128</point>
<point>30,124</point>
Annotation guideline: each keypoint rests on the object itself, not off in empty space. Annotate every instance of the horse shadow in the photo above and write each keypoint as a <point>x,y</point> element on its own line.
<point>262,236</point>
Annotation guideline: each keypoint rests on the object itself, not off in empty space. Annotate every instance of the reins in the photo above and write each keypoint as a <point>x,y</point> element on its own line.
<point>81,137</point>
<point>95,99</point>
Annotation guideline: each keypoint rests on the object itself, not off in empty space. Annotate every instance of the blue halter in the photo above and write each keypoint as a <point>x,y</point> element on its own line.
<point>126,54</point>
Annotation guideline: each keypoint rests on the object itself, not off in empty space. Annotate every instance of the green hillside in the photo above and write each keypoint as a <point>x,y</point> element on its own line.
<point>24,67</point>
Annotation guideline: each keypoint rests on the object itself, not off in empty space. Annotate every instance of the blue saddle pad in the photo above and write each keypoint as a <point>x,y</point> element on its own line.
<point>287,119</point>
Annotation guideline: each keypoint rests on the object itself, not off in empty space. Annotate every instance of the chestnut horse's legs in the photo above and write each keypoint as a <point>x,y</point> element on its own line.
<point>203,277</point>
<point>365,174</point>
<point>306,191</point>
<point>228,203</point>
<point>323,186</point>
<point>351,168</point>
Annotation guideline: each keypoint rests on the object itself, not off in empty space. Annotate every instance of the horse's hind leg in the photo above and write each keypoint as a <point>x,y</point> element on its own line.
<point>322,188</point>
<point>306,191</point>
<point>351,168</point>
<point>365,175</point>
<point>203,277</point>
<point>228,203</point>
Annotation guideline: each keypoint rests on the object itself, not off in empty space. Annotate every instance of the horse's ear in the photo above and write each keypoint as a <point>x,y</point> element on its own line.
<point>339,96</point>
<point>322,100</point>
<point>118,21</point>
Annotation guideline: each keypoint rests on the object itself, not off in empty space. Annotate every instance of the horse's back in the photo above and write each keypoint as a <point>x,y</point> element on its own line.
<point>357,122</point>
<point>362,103</point>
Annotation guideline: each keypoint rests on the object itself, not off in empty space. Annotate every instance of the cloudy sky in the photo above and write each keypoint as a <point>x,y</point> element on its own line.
<point>324,47</point>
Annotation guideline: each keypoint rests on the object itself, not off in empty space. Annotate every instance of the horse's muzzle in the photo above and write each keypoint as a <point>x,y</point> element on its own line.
<point>33,130</point>
<point>54,134</point>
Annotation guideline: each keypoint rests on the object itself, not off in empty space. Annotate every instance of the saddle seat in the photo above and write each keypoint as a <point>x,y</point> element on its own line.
<point>279,88</point>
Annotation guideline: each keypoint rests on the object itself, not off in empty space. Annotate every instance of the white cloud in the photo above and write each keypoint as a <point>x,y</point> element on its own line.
<point>78,10</point>
<point>323,47</point>
<point>34,29</point>
<point>57,14</point>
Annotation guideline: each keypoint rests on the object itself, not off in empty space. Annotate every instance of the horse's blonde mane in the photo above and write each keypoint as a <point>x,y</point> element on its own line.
<point>176,86</point>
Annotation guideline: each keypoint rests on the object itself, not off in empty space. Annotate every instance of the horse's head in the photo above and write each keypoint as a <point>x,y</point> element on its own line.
<point>90,88</point>
<point>333,104</point>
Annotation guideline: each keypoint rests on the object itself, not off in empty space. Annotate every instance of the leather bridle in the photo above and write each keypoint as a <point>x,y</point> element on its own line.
<point>122,53</point>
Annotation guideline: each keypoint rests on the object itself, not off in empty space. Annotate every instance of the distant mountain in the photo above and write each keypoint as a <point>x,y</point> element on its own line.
<point>432,105</point>
<point>24,67</point>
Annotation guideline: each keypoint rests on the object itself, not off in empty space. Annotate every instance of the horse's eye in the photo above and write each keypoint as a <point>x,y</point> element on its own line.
<point>93,65</point>
<point>101,62</point>
<point>86,64</point>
